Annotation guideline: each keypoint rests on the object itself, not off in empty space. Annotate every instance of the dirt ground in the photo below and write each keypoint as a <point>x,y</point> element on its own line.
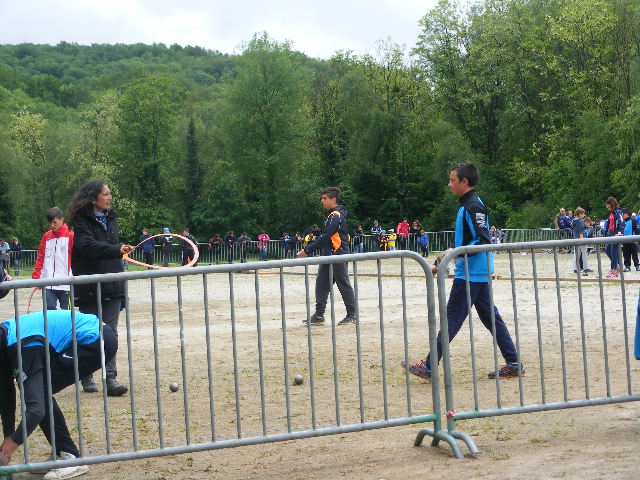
<point>586,443</point>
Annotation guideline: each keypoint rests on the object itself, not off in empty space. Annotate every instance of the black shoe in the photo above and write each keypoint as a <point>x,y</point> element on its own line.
<point>346,320</point>
<point>114,389</point>
<point>315,319</point>
<point>88,385</point>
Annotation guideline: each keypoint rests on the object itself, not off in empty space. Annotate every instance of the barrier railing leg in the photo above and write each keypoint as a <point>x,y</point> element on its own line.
<point>437,436</point>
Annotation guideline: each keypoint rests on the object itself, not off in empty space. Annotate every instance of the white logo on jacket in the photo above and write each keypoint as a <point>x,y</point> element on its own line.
<point>481,219</point>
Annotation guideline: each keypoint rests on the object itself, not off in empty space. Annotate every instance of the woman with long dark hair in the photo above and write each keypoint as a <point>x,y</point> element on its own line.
<point>97,249</point>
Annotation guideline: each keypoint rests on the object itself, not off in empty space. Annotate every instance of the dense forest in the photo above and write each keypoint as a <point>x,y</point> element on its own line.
<point>542,94</point>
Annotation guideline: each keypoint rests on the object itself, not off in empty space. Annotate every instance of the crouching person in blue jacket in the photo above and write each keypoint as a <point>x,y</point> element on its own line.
<point>36,392</point>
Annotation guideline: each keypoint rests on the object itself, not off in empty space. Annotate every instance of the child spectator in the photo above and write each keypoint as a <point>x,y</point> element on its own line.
<point>403,233</point>
<point>424,243</point>
<point>581,259</point>
<point>243,242</point>
<point>148,248</point>
<point>613,227</point>
<point>630,250</point>
<point>54,259</point>
<point>215,243</point>
<point>16,255</point>
<point>167,245</point>
<point>358,240</point>
<point>263,246</point>
<point>391,239</point>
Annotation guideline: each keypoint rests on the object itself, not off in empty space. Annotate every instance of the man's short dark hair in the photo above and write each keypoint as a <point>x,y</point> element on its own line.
<point>331,192</point>
<point>466,170</point>
<point>53,213</point>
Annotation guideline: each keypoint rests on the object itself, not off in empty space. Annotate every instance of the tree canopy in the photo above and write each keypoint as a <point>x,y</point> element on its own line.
<point>542,94</point>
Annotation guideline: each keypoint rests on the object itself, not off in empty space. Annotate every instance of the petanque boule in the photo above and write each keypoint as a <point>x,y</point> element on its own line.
<point>298,379</point>
<point>173,386</point>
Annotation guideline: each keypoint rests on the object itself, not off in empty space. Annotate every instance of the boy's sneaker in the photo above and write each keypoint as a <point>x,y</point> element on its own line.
<point>346,320</point>
<point>613,273</point>
<point>626,269</point>
<point>508,370</point>
<point>66,472</point>
<point>587,270</point>
<point>315,319</point>
<point>637,268</point>
<point>419,369</point>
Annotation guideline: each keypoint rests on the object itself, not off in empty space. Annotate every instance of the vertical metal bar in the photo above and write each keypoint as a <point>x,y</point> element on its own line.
<point>405,332</point>
<point>538,324</point>
<point>47,363</point>
<point>154,323</point>
<point>624,324</point>
<point>76,374</point>
<point>310,350</point>
<point>105,401</point>
<point>472,341</point>
<point>382,350</point>
<point>234,342</point>
<point>132,391</point>
<point>263,407</point>
<point>561,325</point>
<point>516,323</point>
<point>604,327</point>
<point>359,345</point>
<point>285,353</point>
<point>336,382</point>
<point>583,336</point>
<point>493,331</point>
<point>23,406</point>
<point>183,359</point>
<point>207,330</point>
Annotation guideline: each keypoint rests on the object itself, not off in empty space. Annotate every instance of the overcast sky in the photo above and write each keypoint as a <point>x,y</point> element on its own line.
<point>318,28</point>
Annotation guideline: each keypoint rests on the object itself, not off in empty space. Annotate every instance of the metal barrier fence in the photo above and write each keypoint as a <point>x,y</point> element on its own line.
<point>278,250</point>
<point>226,334</point>
<point>574,349</point>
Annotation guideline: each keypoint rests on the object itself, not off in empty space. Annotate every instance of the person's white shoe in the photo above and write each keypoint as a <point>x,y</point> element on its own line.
<point>66,472</point>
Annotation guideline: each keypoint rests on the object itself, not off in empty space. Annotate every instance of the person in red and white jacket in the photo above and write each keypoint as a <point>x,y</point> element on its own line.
<point>54,259</point>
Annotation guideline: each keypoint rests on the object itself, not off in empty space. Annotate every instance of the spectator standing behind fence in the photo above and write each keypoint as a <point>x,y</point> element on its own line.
<point>35,390</point>
<point>97,249</point>
<point>243,243</point>
<point>287,244</point>
<point>581,258</point>
<point>16,255</point>
<point>424,243</point>
<point>187,251</point>
<point>392,238</point>
<point>148,247</point>
<point>376,233</point>
<point>215,244</point>
<point>630,250</point>
<point>332,241</point>
<point>263,246</point>
<point>229,240</point>
<point>358,240</point>
<point>403,234</point>
<point>166,244</point>
<point>4,253</point>
<point>613,227</point>
<point>414,235</point>
<point>472,228</point>
<point>54,259</point>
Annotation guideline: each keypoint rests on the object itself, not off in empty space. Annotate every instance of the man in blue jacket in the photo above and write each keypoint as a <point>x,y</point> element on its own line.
<point>472,228</point>
<point>334,240</point>
<point>36,392</point>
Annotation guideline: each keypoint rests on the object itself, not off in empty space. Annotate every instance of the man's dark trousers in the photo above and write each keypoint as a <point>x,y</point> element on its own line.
<point>341,278</point>
<point>457,312</point>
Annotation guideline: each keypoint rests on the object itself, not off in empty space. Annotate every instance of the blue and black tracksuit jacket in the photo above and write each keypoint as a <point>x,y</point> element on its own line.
<point>334,239</point>
<point>472,228</point>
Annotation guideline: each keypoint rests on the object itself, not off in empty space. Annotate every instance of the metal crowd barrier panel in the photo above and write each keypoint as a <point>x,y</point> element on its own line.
<point>231,336</point>
<point>571,333</point>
